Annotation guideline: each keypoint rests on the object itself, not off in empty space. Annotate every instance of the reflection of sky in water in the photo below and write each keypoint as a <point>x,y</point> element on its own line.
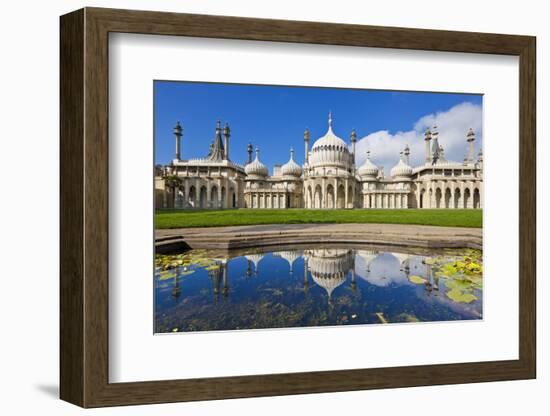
<point>308,287</point>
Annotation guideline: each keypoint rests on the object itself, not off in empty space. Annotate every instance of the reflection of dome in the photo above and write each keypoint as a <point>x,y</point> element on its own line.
<point>329,267</point>
<point>368,168</point>
<point>363,259</point>
<point>401,257</point>
<point>254,258</point>
<point>328,283</point>
<point>330,150</point>
<point>256,168</point>
<point>291,168</point>
<point>289,256</point>
<point>383,270</point>
<point>401,169</point>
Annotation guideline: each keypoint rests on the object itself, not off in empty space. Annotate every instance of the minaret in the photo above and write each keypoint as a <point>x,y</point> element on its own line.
<point>353,138</point>
<point>427,139</point>
<point>249,149</point>
<point>480,159</point>
<point>226,135</point>
<point>306,143</point>
<point>406,153</point>
<point>470,137</point>
<point>178,132</point>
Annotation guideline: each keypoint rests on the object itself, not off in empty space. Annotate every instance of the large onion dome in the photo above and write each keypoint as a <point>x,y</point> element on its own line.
<point>402,169</point>
<point>330,150</point>
<point>291,168</point>
<point>329,267</point>
<point>368,168</point>
<point>256,168</point>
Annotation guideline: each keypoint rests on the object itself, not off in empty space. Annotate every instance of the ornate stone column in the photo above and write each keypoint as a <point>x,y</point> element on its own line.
<point>346,184</point>
<point>324,194</point>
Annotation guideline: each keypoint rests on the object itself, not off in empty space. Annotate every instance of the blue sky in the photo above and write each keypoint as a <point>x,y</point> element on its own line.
<point>274,118</point>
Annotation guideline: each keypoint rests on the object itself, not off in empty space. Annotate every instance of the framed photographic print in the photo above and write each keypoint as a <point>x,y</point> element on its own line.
<point>256,207</point>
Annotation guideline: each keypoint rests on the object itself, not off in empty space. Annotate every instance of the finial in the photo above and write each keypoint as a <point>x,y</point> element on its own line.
<point>368,154</point>
<point>218,125</point>
<point>306,134</point>
<point>178,129</point>
<point>292,152</point>
<point>353,136</point>
<point>428,134</point>
<point>257,153</point>
<point>330,119</point>
<point>470,135</point>
<point>226,129</point>
<point>249,147</point>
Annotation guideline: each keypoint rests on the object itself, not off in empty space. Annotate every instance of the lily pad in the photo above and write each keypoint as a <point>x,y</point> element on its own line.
<point>417,279</point>
<point>460,296</point>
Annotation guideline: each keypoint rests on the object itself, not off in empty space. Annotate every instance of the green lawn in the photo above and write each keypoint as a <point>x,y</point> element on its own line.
<point>216,218</point>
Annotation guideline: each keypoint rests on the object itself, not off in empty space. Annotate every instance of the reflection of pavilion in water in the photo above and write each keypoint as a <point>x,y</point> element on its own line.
<point>330,268</point>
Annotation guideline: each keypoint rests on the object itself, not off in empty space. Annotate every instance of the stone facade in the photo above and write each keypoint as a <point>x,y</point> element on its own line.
<point>328,179</point>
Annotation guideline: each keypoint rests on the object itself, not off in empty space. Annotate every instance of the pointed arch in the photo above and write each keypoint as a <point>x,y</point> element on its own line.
<point>318,197</point>
<point>341,197</point>
<point>438,197</point>
<point>477,199</point>
<point>448,197</point>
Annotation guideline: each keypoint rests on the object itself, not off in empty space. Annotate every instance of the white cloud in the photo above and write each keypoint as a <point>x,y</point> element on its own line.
<point>452,126</point>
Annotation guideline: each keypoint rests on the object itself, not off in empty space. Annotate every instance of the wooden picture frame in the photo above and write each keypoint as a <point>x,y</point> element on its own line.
<point>84,207</point>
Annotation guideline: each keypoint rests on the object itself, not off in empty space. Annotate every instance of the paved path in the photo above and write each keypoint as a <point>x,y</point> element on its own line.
<point>267,235</point>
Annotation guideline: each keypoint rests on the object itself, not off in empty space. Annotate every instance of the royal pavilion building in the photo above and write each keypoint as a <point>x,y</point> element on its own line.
<point>328,178</point>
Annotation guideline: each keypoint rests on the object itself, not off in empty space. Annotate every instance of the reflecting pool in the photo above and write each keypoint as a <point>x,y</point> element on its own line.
<point>320,285</point>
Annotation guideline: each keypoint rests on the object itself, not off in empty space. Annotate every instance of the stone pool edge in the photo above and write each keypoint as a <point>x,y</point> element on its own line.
<point>248,236</point>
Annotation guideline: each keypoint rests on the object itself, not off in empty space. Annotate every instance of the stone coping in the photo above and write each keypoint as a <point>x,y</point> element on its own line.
<point>247,236</point>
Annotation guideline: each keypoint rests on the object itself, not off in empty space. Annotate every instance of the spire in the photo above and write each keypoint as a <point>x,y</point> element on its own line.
<point>427,139</point>
<point>257,153</point>
<point>291,153</point>
<point>470,137</point>
<point>428,135</point>
<point>435,145</point>
<point>217,152</point>
<point>226,135</point>
<point>249,149</point>
<point>353,136</point>
<point>306,145</point>
<point>178,131</point>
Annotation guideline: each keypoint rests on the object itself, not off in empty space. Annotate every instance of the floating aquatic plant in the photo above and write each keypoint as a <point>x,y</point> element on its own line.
<point>461,275</point>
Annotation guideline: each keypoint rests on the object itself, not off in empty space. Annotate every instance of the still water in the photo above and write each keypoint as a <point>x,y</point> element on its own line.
<point>209,290</point>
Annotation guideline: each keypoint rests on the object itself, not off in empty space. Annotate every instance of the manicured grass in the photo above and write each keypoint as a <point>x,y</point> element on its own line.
<point>216,218</point>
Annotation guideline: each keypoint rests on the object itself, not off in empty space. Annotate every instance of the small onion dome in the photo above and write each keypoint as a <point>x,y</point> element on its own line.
<point>401,169</point>
<point>291,168</point>
<point>254,258</point>
<point>256,168</point>
<point>289,256</point>
<point>368,168</point>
